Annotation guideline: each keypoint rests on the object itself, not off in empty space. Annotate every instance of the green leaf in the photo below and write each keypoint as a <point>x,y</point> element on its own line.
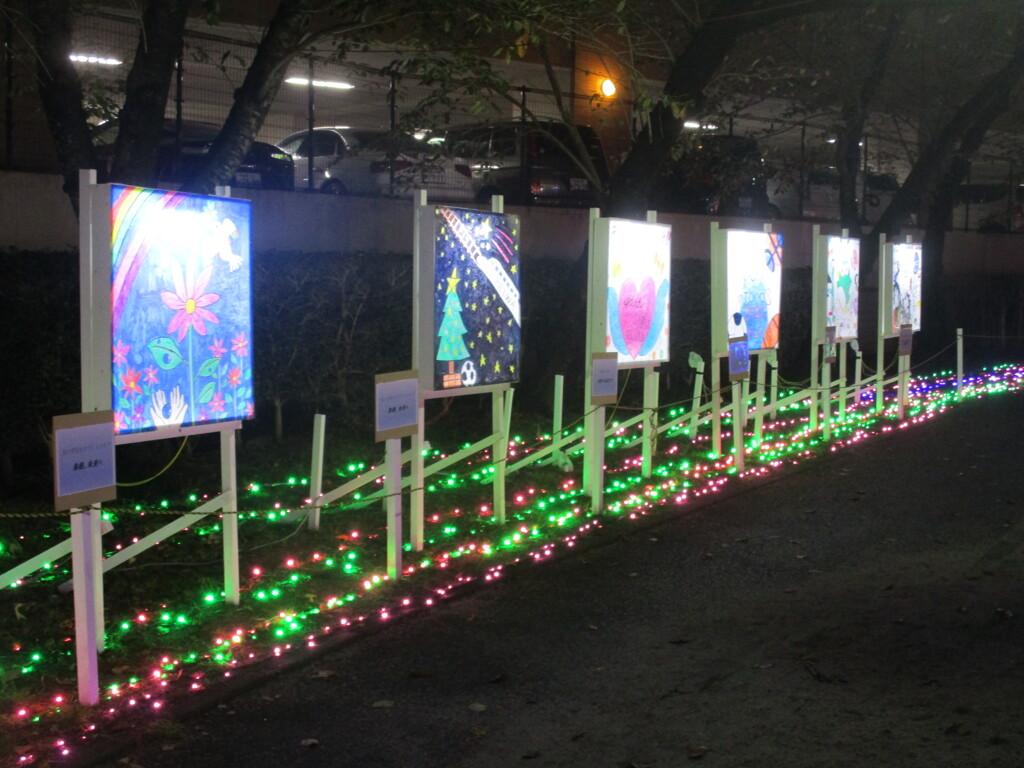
<point>206,393</point>
<point>165,352</point>
<point>209,366</point>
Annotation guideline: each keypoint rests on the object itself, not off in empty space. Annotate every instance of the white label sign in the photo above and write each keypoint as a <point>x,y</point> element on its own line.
<point>605,378</point>
<point>396,404</point>
<point>83,459</point>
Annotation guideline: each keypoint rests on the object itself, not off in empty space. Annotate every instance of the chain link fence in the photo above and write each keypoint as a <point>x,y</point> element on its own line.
<point>362,93</point>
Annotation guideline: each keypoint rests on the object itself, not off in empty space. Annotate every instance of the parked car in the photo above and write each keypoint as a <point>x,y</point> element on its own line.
<point>178,156</point>
<point>820,194</point>
<point>988,208</point>
<point>720,174</point>
<point>530,162</point>
<point>350,161</point>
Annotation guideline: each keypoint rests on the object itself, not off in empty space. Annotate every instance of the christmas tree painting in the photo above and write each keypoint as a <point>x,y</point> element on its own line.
<point>451,347</point>
<point>476,333</point>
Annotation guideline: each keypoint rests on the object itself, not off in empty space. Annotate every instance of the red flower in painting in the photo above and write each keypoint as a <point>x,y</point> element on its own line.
<point>121,352</point>
<point>235,377</point>
<point>217,349</point>
<point>250,409</point>
<point>130,382</point>
<point>189,303</point>
<point>240,344</point>
<point>217,403</point>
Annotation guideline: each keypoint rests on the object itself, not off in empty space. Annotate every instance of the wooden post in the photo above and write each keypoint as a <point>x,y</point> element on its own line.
<point>761,393</point>
<point>739,416</point>
<point>556,419</point>
<point>826,399</point>
<point>422,266</point>
<point>393,459</point>
<point>88,581</point>
<point>698,384</point>
<point>884,317</point>
<point>229,520</point>
<point>716,405</point>
<point>501,411</point>
<point>650,420</point>
<point>858,373</point>
<point>841,390</point>
<point>959,362</point>
<point>94,323</point>
<point>316,470</point>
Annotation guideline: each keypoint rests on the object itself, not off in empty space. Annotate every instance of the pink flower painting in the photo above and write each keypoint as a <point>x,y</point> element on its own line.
<point>189,302</point>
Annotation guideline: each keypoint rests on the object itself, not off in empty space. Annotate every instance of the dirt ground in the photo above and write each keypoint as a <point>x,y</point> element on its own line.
<point>865,609</point>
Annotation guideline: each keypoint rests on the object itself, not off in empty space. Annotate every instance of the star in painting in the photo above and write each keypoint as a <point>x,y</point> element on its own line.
<point>452,281</point>
<point>483,232</point>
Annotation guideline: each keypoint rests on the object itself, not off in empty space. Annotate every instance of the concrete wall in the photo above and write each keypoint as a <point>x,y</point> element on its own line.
<point>35,215</point>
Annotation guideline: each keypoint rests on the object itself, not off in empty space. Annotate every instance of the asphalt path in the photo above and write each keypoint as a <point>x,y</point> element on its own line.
<point>865,609</point>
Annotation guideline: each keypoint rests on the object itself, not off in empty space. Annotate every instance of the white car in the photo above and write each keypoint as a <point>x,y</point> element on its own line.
<point>376,163</point>
<point>821,195</point>
<point>988,208</point>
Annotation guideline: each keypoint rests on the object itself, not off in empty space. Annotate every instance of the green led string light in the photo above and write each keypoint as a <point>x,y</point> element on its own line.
<point>305,596</point>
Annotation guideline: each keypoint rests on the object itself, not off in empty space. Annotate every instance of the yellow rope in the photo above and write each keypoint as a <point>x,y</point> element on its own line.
<point>154,477</point>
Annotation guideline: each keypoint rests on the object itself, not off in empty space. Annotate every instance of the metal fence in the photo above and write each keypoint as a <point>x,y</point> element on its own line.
<point>362,92</point>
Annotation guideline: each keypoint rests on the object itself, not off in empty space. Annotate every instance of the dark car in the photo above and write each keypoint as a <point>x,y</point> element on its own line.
<point>531,163</point>
<point>718,174</point>
<point>179,156</point>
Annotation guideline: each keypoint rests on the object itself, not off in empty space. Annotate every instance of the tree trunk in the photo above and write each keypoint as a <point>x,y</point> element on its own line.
<point>284,38</point>
<point>60,91</point>
<point>141,122</point>
<point>278,418</point>
<point>851,133</point>
<point>977,113</point>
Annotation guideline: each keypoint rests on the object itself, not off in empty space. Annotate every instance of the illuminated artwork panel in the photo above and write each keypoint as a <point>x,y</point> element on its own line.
<point>906,285</point>
<point>842,288</point>
<point>754,287</point>
<point>181,316</point>
<point>477,325</point>
<point>639,265</point>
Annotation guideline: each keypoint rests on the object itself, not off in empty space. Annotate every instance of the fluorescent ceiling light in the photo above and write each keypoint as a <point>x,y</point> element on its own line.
<point>320,83</point>
<point>693,125</point>
<point>85,58</point>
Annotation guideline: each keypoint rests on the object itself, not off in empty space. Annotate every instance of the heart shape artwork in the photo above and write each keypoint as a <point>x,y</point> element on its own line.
<point>636,311</point>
